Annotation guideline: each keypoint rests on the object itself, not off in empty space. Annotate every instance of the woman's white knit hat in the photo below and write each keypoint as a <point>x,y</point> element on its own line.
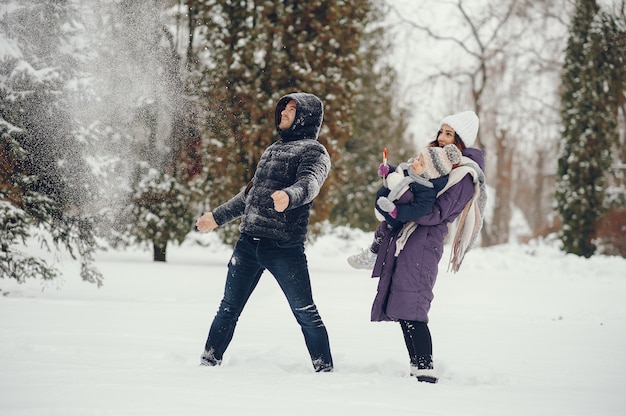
<point>465,124</point>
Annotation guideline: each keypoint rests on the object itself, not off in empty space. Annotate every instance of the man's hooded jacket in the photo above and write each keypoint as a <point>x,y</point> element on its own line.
<point>297,164</point>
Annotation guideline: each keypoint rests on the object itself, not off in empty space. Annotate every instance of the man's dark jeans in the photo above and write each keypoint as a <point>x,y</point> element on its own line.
<point>288,263</point>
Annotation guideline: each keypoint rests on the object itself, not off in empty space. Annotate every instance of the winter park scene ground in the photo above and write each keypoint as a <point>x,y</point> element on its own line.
<point>520,330</point>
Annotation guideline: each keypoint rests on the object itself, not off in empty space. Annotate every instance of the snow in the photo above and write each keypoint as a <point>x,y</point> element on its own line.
<point>9,48</point>
<point>520,330</point>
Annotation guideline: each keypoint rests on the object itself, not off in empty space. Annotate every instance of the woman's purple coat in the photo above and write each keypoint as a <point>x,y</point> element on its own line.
<point>405,288</point>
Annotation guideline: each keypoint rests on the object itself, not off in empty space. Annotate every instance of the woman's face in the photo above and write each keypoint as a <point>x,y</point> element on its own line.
<point>446,135</point>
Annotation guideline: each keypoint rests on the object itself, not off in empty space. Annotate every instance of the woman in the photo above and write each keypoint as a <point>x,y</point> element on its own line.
<point>408,258</point>
<point>412,188</point>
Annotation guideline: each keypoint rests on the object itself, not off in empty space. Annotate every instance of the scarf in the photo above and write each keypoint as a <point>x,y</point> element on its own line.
<point>469,223</point>
<point>403,185</point>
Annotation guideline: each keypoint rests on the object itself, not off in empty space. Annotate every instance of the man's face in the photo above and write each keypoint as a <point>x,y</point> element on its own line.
<point>287,115</point>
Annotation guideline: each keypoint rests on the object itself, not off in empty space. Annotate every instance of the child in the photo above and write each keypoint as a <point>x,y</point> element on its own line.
<point>409,191</point>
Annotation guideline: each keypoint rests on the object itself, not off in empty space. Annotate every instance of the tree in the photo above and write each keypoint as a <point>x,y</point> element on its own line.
<point>43,192</point>
<point>380,121</point>
<point>479,37</point>
<point>501,59</point>
<point>612,227</point>
<point>161,208</point>
<point>141,83</point>
<point>593,88</point>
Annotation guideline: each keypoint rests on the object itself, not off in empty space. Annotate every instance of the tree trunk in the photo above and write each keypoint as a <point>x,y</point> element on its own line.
<point>159,250</point>
<point>500,227</point>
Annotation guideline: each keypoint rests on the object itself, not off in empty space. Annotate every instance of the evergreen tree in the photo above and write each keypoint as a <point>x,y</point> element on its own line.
<point>589,102</point>
<point>43,191</point>
<point>610,233</point>
<point>141,82</point>
<point>380,121</point>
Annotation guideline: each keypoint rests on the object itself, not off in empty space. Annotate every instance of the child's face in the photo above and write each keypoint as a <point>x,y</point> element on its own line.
<point>418,165</point>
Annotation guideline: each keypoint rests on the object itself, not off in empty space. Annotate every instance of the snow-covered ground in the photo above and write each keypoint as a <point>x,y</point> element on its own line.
<point>520,330</point>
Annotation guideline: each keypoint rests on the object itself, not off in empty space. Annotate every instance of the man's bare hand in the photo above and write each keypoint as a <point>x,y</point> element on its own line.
<point>281,200</point>
<point>206,223</point>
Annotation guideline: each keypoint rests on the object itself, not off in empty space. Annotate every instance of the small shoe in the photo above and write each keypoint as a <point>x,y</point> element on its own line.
<point>364,260</point>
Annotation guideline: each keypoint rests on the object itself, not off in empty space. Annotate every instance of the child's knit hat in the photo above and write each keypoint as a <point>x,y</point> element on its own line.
<point>438,161</point>
<point>465,124</point>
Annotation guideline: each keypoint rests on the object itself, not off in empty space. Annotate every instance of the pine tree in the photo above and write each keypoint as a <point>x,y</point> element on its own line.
<point>380,121</point>
<point>43,192</point>
<point>142,85</point>
<point>589,114</point>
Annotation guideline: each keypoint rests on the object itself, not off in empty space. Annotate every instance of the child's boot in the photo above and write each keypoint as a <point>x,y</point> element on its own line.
<point>364,260</point>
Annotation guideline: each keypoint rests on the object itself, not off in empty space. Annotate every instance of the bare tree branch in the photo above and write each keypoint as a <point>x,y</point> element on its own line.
<point>432,34</point>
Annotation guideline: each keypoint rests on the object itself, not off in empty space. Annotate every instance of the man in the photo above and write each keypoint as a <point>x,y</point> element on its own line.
<point>274,211</point>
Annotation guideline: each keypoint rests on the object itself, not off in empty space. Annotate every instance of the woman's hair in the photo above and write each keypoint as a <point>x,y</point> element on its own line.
<point>457,141</point>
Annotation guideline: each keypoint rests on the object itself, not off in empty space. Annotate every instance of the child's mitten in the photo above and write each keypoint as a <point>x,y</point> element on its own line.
<point>383,170</point>
<point>385,204</point>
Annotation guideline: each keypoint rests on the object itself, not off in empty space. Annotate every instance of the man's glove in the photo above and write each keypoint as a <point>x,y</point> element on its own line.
<point>383,170</point>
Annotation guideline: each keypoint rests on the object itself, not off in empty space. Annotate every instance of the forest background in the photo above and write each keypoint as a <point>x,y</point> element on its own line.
<point>121,121</point>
